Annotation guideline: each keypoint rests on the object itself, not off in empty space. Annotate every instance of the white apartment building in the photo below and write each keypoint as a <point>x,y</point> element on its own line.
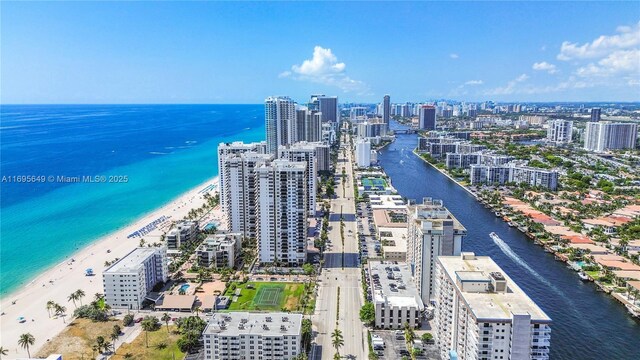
<point>363,153</point>
<point>219,250</point>
<point>328,133</point>
<point>489,174</point>
<point>433,232</point>
<point>304,152</point>
<point>481,314</point>
<point>130,279</point>
<point>394,296</point>
<point>605,135</point>
<point>244,335</point>
<point>238,190</point>
<point>358,113</point>
<point>560,131</point>
<point>184,232</point>
<point>227,151</point>
<point>280,122</point>
<point>282,212</point>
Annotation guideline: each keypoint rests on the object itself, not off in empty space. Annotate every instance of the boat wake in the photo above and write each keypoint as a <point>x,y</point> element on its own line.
<point>507,250</point>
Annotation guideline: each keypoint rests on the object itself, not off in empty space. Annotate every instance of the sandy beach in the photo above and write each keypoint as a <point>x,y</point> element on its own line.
<point>59,281</point>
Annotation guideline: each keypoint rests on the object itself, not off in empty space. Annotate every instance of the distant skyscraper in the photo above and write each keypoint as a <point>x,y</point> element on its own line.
<point>427,120</point>
<point>314,103</point>
<point>280,122</point>
<point>282,212</point>
<point>560,131</point>
<point>604,135</point>
<point>595,114</point>
<point>328,107</point>
<point>386,109</point>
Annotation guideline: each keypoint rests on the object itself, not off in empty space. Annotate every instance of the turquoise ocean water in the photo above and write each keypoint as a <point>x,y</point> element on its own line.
<point>164,150</point>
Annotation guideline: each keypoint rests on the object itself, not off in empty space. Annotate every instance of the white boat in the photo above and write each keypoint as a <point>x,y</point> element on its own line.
<point>633,311</point>
<point>583,276</point>
<point>494,236</point>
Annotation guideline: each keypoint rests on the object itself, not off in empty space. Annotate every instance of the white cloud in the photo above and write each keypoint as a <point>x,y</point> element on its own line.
<point>324,68</point>
<point>454,56</point>
<point>627,37</point>
<point>545,66</point>
<point>511,87</point>
<point>622,62</point>
<point>474,82</point>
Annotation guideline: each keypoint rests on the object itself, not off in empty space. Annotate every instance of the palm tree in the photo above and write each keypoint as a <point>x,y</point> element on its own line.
<point>60,310</point>
<point>25,341</point>
<point>98,296</point>
<point>73,297</point>
<point>147,325</point>
<point>197,310</point>
<point>3,351</point>
<point>165,317</point>
<point>80,294</point>
<point>337,339</point>
<point>50,305</point>
<point>114,336</point>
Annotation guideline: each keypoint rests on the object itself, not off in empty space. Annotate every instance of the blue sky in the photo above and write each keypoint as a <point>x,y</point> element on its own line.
<point>211,52</point>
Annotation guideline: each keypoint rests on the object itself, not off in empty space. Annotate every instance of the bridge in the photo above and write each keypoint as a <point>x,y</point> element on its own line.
<point>406,131</point>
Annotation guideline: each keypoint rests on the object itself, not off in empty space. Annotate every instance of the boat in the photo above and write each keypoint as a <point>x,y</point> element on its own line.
<point>632,311</point>
<point>583,276</point>
<point>497,214</point>
<point>511,224</point>
<point>494,236</point>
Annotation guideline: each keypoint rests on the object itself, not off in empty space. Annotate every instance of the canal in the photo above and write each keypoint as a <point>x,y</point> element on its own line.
<point>586,324</point>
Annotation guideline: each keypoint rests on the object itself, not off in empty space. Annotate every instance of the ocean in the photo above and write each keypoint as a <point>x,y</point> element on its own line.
<point>162,150</point>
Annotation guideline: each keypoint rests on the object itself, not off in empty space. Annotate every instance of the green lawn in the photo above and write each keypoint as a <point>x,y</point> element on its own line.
<point>273,296</point>
<point>162,345</point>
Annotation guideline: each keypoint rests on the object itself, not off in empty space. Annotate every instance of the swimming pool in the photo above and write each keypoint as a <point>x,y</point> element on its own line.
<point>184,287</point>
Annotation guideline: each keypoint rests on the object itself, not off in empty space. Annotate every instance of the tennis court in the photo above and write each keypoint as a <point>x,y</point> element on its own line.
<point>269,295</point>
<point>373,183</point>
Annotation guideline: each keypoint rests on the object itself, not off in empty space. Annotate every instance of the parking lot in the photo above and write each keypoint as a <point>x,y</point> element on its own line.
<point>370,247</point>
<point>396,347</point>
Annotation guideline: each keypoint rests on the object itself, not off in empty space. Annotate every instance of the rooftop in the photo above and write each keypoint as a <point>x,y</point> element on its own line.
<point>387,202</point>
<point>396,287</point>
<point>245,323</point>
<point>489,305</point>
<point>132,260</point>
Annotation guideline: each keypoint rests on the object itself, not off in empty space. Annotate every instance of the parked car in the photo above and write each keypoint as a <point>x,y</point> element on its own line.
<point>138,320</point>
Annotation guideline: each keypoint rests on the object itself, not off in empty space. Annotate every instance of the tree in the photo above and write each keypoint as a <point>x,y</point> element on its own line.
<point>308,269</point>
<point>100,343</point>
<point>73,297</point>
<point>50,305</point>
<point>166,318</point>
<point>60,311</point>
<point>128,320</point>
<point>79,295</point>
<point>117,329</point>
<point>337,340</point>
<point>197,310</point>
<point>427,337</point>
<point>3,351</point>
<point>409,335</point>
<point>368,313</point>
<point>150,323</point>
<point>114,336</point>
<point>25,341</point>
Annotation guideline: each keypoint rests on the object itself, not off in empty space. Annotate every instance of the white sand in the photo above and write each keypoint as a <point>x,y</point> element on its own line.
<point>31,300</point>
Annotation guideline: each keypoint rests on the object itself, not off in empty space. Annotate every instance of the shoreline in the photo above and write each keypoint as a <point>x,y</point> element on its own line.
<point>529,235</point>
<point>445,174</point>
<point>59,280</point>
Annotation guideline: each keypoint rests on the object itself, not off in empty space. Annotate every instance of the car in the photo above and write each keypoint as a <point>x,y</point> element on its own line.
<point>174,319</point>
<point>404,352</point>
<point>138,320</point>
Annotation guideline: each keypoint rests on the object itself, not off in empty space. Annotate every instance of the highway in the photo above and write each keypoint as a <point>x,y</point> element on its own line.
<point>341,272</point>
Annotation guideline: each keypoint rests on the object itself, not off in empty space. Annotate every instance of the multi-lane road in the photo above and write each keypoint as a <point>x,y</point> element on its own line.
<point>341,269</point>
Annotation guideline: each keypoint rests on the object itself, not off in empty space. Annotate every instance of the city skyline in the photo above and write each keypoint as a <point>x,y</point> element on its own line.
<point>240,53</point>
